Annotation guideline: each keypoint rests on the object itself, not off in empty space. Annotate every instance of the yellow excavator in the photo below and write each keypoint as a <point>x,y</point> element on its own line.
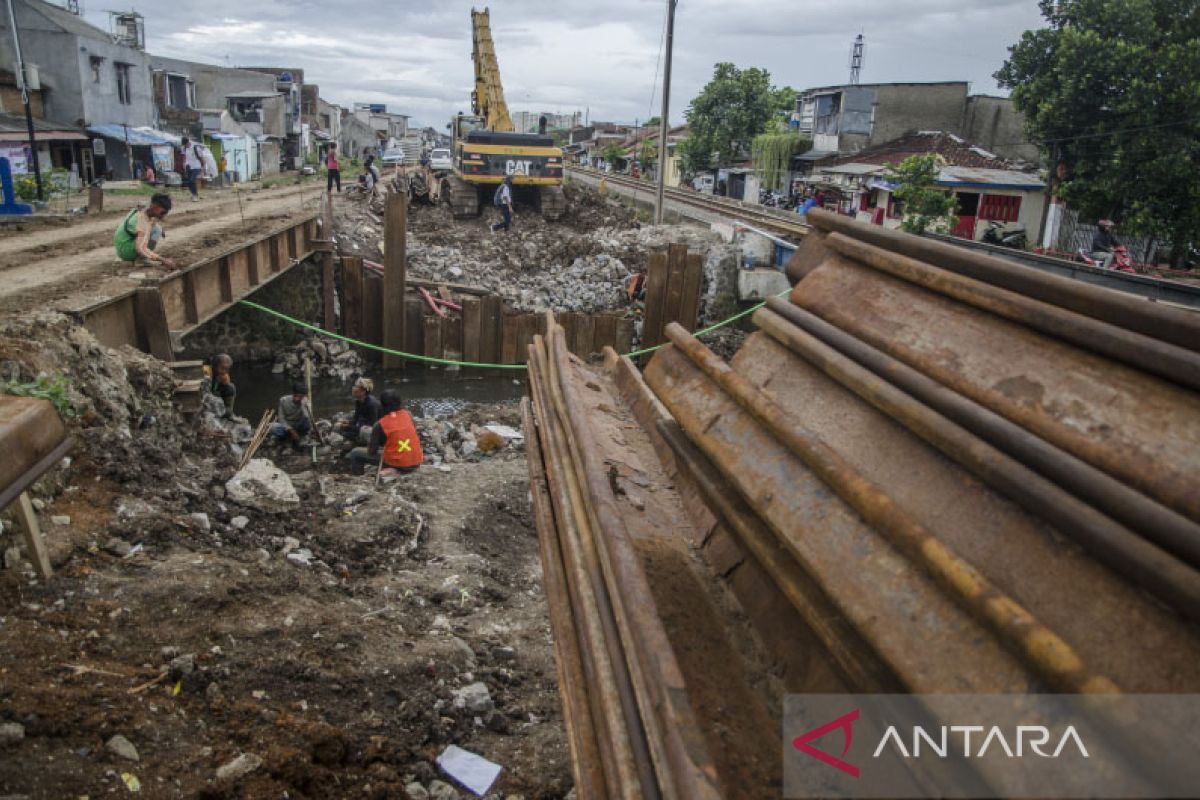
<point>486,148</point>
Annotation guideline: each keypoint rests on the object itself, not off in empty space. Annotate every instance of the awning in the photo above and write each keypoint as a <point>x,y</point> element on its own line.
<point>322,135</point>
<point>137,137</point>
<point>44,136</point>
<point>814,155</point>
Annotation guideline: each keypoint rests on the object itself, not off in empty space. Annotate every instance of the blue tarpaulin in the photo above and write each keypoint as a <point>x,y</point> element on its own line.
<point>137,137</point>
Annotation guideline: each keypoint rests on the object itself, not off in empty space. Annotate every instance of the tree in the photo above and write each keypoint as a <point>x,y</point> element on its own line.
<point>772,153</point>
<point>724,118</point>
<point>648,152</point>
<point>613,152</point>
<point>924,207</point>
<point>1109,89</point>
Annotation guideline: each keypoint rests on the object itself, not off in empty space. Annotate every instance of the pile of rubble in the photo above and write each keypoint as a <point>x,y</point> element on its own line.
<point>330,358</point>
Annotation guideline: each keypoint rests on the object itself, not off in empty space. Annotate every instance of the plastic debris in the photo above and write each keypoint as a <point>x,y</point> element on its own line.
<point>472,771</point>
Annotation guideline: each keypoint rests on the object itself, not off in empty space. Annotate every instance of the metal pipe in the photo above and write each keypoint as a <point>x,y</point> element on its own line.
<point>1037,644</point>
<point>1173,325</point>
<point>1124,551</point>
<point>1164,526</point>
<point>33,153</point>
<point>1167,361</point>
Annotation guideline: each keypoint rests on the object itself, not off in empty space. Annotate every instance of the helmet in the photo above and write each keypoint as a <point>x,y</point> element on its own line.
<point>1106,223</point>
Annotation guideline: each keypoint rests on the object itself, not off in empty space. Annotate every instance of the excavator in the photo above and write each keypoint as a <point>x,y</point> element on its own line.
<point>486,148</point>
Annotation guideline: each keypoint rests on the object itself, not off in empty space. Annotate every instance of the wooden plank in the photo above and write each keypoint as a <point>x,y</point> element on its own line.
<point>433,336</point>
<point>526,328</point>
<point>414,325</point>
<point>677,267</point>
<point>472,328</point>
<point>605,334</point>
<point>395,265</point>
<point>153,332</point>
<point>585,335</point>
<point>489,331</point>
<point>624,336</point>
<point>329,291</point>
<point>508,340</point>
<point>253,276</point>
<point>693,277</point>
<point>275,253</point>
<point>293,245</point>
<point>191,310</point>
<point>34,544</point>
<point>656,296</point>
<point>372,309</point>
<point>452,336</point>
<point>352,297</point>
<point>239,280</point>
<point>225,280</point>
<point>444,293</point>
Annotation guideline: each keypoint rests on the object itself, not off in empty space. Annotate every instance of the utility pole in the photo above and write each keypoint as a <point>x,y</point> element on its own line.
<point>664,125</point>
<point>856,60</point>
<point>37,172</point>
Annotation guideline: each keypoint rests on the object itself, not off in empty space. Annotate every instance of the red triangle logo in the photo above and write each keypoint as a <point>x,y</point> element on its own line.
<point>845,724</point>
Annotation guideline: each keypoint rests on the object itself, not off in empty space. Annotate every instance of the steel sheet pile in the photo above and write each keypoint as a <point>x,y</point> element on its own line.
<point>929,471</point>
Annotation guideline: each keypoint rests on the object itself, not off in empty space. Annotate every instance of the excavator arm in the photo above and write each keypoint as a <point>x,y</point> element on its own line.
<point>488,97</point>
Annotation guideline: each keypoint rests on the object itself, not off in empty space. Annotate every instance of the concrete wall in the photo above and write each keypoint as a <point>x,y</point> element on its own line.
<point>214,83</point>
<point>45,45</point>
<point>904,107</point>
<point>355,136</point>
<point>995,124</point>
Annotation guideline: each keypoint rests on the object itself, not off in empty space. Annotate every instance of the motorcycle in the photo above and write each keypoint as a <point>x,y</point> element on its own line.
<point>998,233</point>
<point>1122,261</point>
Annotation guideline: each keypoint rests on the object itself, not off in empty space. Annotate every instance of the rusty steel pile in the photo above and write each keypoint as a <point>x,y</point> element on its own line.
<point>928,471</point>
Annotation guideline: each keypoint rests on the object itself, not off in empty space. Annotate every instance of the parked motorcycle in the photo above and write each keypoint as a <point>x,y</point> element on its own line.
<point>1005,235</point>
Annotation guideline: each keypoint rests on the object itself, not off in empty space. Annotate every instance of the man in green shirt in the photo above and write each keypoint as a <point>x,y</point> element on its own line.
<point>140,232</point>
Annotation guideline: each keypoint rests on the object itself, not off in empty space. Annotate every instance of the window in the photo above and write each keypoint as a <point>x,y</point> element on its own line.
<point>96,62</point>
<point>123,93</point>
<point>1004,208</point>
<point>178,92</point>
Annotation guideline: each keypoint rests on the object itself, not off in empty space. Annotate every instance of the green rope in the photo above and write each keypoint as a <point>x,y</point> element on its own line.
<point>450,362</point>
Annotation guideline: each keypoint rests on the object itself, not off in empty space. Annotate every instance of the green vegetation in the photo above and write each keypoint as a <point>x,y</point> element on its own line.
<point>145,190</point>
<point>1109,89</point>
<point>56,389</point>
<point>612,152</point>
<point>729,112</point>
<point>925,208</point>
<point>772,154</point>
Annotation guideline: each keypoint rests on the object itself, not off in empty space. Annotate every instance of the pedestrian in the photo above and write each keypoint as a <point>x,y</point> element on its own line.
<point>140,232</point>
<point>193,165</point>
<point>333,172</point>
<point>220,383</point>
<point>294,416</point>
<point>367,411</point>
<point>504,201</point>
<point>396,434</point>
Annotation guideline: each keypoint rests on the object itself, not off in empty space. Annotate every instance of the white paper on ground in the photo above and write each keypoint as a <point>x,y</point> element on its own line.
<point>472,771</point>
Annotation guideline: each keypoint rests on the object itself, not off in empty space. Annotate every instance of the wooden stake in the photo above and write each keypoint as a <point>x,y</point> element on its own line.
<point>34,543</point>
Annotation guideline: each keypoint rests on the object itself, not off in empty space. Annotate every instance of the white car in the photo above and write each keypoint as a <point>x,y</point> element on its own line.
<point>394,156</point>
<point>440,159</point>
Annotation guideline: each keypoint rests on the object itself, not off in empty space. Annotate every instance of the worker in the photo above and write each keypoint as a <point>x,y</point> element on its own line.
<point>333,170</point>
<point>395,434</point>
<point>294,416</point>
<point>504,201</point>
<point>366,413</point>
<point>1104,243</point>
<point>220,383</point>
<point>140,232</point>
<point>193,167</point>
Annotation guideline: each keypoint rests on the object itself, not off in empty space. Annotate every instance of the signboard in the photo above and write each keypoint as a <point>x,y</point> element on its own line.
<point>98,147</point>
<point>18,156</point>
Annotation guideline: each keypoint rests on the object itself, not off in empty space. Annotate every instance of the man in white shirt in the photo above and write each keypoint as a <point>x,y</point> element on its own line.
<point>504,201</point>
<point>193,165</point>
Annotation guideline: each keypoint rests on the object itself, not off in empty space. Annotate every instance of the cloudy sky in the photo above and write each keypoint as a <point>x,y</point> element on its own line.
<point>599,56</point>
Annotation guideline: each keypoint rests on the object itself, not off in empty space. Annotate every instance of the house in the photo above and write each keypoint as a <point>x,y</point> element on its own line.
<point>587,145</point>
<point>848,118</point>
<point>530,121</point>
<point>289,83</point>
<point>390,129</point>
<point>58,145</point>
<point>87,77</point>
<point>355,138</point>
<point>988,188</point>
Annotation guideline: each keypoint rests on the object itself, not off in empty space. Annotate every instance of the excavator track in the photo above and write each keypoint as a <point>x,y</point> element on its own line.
<point>463,197</point>
<point>552,201</point>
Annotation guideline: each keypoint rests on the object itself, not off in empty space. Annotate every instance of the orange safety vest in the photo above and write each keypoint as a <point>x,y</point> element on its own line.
<point>403,447</point>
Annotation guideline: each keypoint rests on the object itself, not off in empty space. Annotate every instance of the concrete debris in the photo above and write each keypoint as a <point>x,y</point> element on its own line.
<point>330,358</point>
<point>11,733</point>
<point>416,791</point>
<point>475,698</point>
<point>263,486</point>
<point>122,748</point>
<point>200,522</point>
<point>240,767</point>
<point>117,547</point>
<point>60,519</point>
<point>439,790</point>
<point>239,523</point>
<point>12,557</point>
<point>182,666</point>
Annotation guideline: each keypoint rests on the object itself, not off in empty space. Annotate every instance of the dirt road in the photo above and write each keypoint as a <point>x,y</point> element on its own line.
<point>71,265</point>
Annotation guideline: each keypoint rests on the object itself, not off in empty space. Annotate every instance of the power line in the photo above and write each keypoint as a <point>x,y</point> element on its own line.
<point>662,37</point>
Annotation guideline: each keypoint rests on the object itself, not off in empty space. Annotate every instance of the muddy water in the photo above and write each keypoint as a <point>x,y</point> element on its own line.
<point>424,391</point>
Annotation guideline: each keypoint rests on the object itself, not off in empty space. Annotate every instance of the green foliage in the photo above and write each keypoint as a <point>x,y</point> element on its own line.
<point>724,118</point>
<point>25,188</point>
<point>925,208</point>
<point>1109,88</point>
<point>772,154</point>
<point>56,389</point>
<point>612,152</point>
<point>648,152</point>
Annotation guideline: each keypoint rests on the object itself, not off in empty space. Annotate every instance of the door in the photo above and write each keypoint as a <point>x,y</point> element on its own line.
<point>968,213</point>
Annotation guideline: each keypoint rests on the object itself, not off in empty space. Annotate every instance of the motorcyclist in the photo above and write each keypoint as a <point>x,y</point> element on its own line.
<point>1104,243</point>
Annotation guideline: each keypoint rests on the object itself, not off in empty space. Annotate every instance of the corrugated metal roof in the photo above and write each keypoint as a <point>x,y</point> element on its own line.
<point>12,125</point>
<point>856,169</point>
<point>137,137</point>
<point>975,176</point>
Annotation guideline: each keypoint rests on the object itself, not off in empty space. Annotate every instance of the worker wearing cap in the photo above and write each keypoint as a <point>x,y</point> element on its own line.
<point>294,418</point>
<point>395,434</point>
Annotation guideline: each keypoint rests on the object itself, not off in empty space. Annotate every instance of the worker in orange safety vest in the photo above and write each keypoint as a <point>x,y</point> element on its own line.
<point>395,434</point>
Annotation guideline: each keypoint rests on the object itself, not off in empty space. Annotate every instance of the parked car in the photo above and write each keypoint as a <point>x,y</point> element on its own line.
<point>394,156</point>
<point>440,159</point>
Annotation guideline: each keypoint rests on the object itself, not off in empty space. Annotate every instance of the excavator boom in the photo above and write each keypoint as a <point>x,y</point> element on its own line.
<point>488,99</point>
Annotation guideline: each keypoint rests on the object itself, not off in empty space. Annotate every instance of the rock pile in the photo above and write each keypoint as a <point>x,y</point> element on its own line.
<point>450,442</point>
<point>330,358</point>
